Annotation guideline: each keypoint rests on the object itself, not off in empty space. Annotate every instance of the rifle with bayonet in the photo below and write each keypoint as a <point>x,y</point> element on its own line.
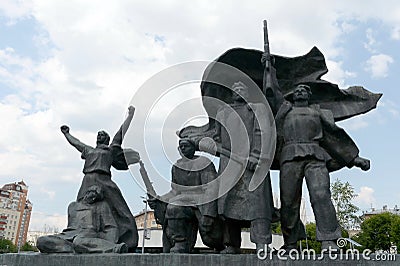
<point>270,84</point>
<point>159,206</point>
<point>267,86</point>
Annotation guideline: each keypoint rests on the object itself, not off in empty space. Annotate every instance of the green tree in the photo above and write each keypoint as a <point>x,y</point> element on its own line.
<point>311,242</point>
<point>28,247</point>
<point>276,228</point>
<point>395,230</point>
<point>7,246</point>
<point>380,232</point>
<point>346,211</point>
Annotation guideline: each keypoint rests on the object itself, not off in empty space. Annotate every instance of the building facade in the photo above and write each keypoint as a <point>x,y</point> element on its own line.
<point>15,212</point>
<point>373,211</point>
<point>150,220</point>
<point>3,224</point>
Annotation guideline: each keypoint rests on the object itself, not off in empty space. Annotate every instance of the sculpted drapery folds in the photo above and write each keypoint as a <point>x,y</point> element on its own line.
<point>311,145</point>
<point>91,228</point>
<point>242,206</point>
<point>98,162</point>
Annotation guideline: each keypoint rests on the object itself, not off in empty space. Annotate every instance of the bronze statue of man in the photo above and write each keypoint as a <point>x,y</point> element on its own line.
<point>191,203</point>
<point>310,146</point>
<point>239,206</point>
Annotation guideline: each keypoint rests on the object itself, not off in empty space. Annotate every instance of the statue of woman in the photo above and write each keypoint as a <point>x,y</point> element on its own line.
<point>97,170</point>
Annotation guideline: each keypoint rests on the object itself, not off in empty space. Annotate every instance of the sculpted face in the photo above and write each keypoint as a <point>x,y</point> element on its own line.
<point>187,149</point>
<point>240,93</point>
<point>301,93</point>
<point>102,138</point>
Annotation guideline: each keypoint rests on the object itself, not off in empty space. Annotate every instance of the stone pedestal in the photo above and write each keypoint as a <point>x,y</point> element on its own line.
<point>178,259</point>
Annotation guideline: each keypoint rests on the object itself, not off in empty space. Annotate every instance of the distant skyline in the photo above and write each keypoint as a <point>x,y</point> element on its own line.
<point>80,63</point>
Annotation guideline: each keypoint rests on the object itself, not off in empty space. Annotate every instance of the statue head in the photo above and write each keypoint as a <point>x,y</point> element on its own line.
<point>187,148</point>
<point>240,92</point>
<point>103,137</point>
<point>93,194</point>
<point>302,92</point>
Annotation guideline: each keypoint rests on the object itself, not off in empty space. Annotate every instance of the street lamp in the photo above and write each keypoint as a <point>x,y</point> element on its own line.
<point>145,222</point>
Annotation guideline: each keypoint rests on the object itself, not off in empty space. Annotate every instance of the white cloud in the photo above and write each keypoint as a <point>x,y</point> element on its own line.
<point>44,222</point>
<point>337,74</point>
<point>394,112</point>
<point>366,196</point>
<point>355,123</point>
<point>347,27</point>
<point>395,34</point>
<point>371,41</point>
<point>50,194</point>
<point>97,53</point>
<point>16,9</point>
<point>392,108</point>
<point>378,65</point>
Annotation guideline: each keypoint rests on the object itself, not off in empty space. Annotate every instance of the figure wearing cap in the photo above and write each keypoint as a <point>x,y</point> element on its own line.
<point>239,130</point>
<point>191,203</point>
<point>310,145</point>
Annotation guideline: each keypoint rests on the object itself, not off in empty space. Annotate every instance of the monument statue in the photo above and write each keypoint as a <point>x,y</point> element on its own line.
<point>327,147</point>
<point>91,228</point>
<point>191,205</point>
<point>98,162</point>
<point>310,145</point>
<point>240,206</point>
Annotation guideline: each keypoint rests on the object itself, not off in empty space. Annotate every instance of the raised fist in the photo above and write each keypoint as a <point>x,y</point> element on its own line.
<point>64,129</point>
<point>153,202</point>
<point>362,163</point>
<point>131,110</point>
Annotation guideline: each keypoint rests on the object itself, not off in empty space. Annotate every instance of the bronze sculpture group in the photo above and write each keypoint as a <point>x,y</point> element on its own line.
<point>309,145</point>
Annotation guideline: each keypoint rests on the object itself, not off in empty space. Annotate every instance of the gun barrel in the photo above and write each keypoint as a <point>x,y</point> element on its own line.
<point>146,180</point>
<point>266,41</point>
<point>267,86</point>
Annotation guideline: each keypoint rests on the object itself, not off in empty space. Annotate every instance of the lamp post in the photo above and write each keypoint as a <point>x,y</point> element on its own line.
<point>145,223</point>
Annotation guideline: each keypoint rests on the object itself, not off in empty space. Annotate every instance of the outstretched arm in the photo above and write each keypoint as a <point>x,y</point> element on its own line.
<point>71,139</point>
<point>119,136</point>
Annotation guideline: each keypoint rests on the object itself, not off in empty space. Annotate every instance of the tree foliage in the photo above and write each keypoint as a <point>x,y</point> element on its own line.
<point>28,247</point>
<point>7,246</point>
<point>342,197</point>
<point>380,232</point>
<point>276,228</point>
<point>311,242</point>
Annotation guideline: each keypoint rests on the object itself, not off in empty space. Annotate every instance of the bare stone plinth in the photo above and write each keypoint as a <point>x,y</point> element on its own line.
<point>178,259</point>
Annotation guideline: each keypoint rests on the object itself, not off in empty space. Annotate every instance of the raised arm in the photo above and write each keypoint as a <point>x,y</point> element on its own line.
<point>119,136</point>
<point>71,139</point>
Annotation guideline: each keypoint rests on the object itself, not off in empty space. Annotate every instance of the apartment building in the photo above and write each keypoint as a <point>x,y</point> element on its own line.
<point>15,212</point>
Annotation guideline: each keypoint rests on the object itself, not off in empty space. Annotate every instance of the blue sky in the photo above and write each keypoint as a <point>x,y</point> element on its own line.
<point>81,62</point>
